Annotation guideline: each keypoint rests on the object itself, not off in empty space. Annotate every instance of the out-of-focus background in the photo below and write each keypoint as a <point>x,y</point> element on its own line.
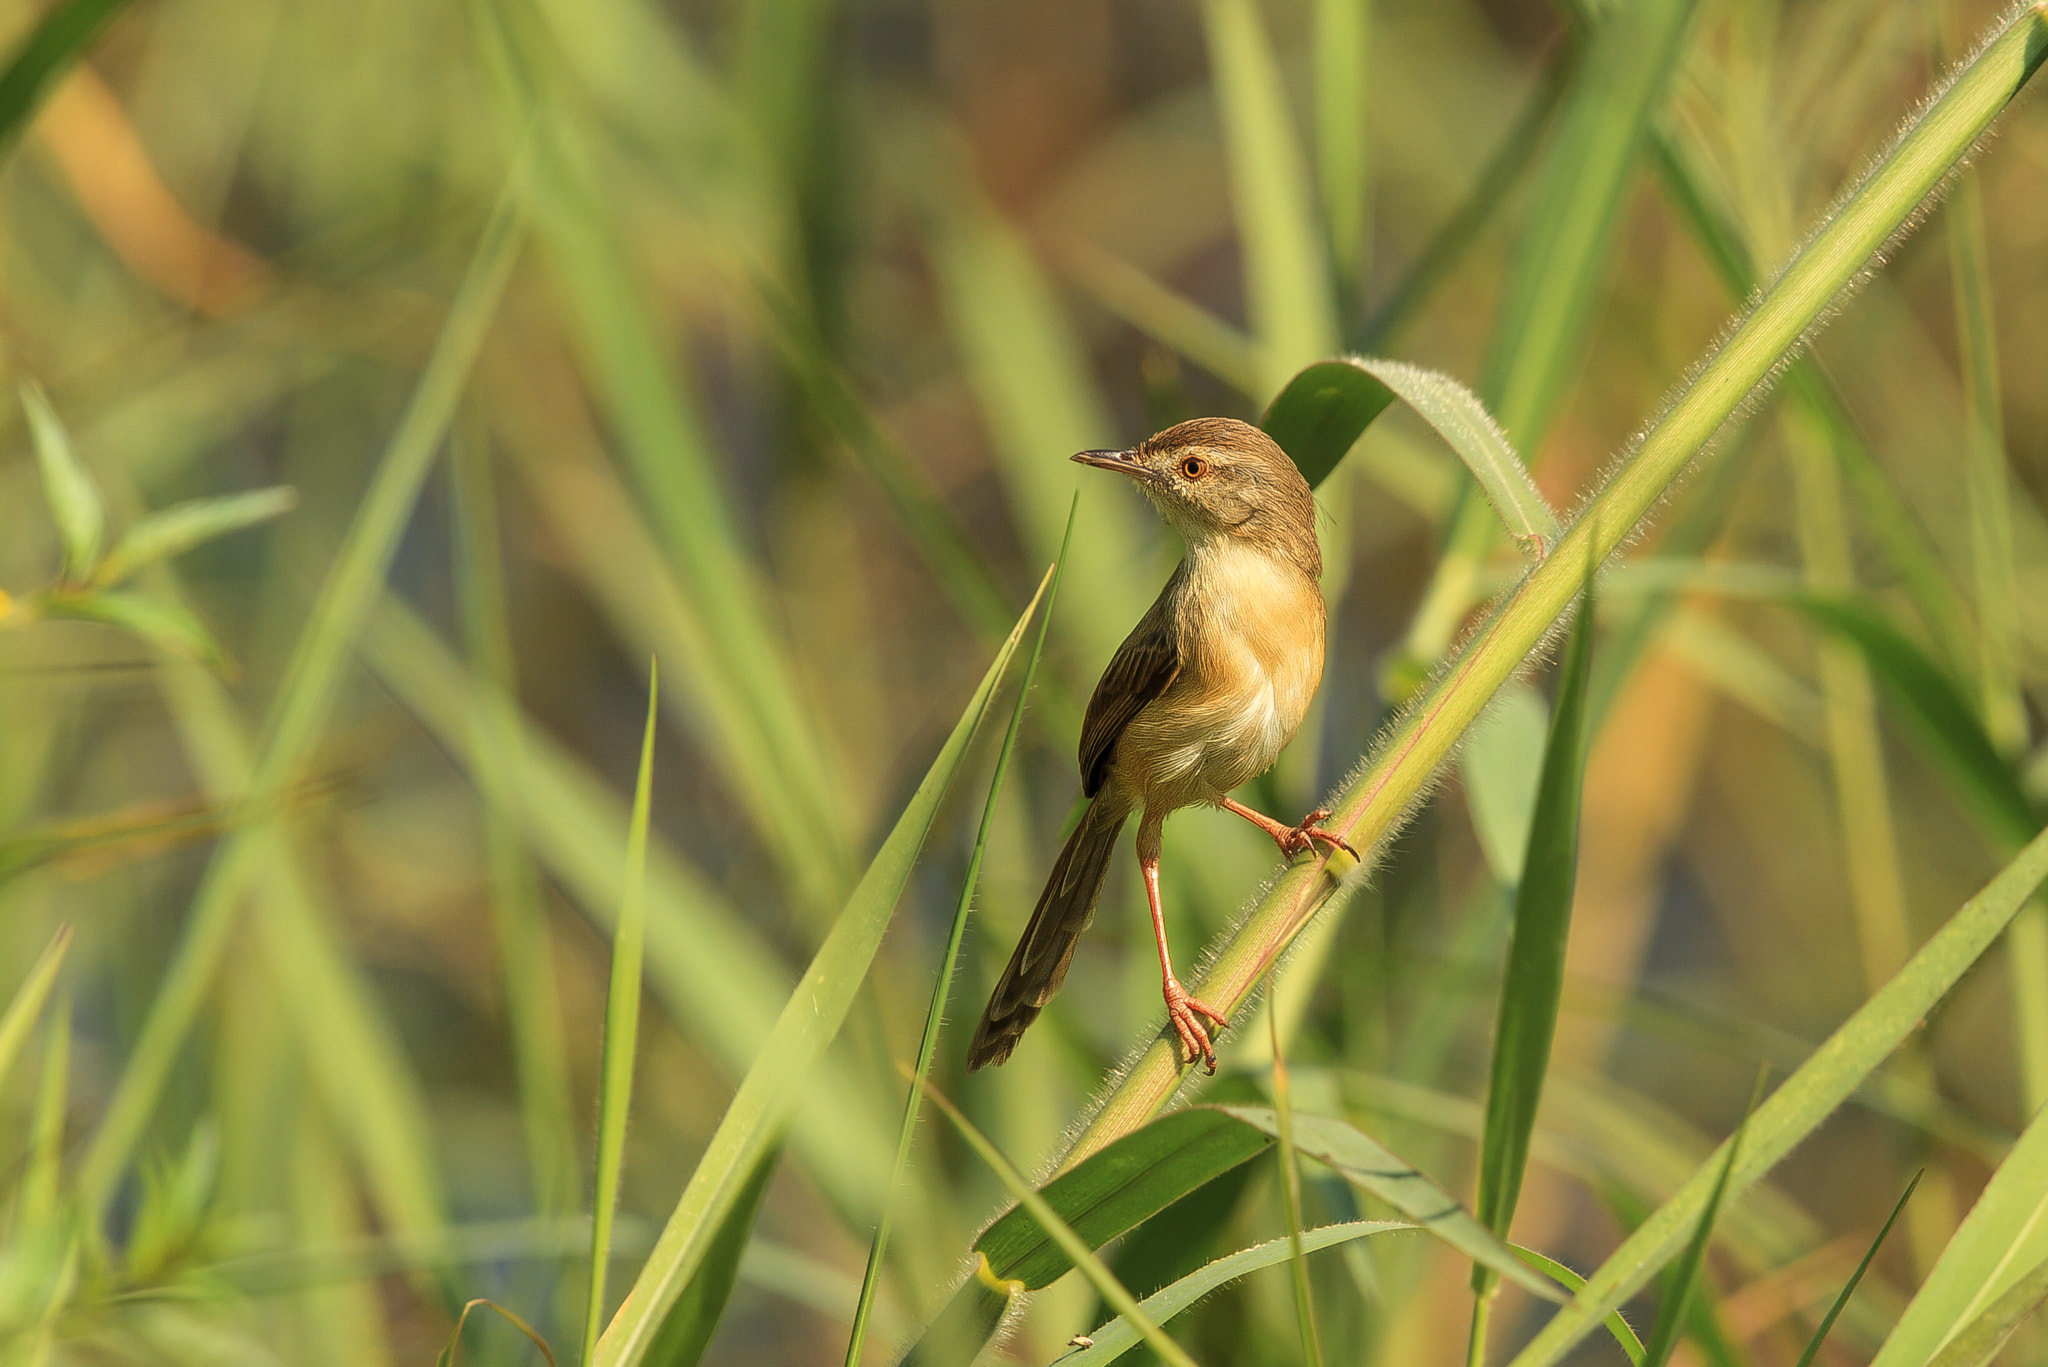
<point>806,306</point>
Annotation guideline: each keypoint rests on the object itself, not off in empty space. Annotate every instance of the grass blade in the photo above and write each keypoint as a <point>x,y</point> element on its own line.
<point>1118,1337</point>
<point>1685,1277</point>
<point>179,528</point>
<point>621,1029</point>
<point>1533,982</point>
<point>928,1044</point>
<point>1624,1337</point>
<point>1806,1098</point>
<point>687,1330</point>
<point>1373,804</point>
<point>1502,766</point>
<point>305,698</point>
<point>1980,1342</point>
<point>808,1023</point>
<point>168,627</point>
<point>27,1003</point>
<point>1820,1335</point>
<point>2004,1237</point>
<point>1290,1198</point>
<point>75,504</point>
<point>447,1355</point>
<point>1342,41</point>
<point>1071,1244</point>
<point>1287,279</point>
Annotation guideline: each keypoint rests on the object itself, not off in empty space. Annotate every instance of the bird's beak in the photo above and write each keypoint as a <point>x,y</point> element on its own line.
<point>1126,462</point>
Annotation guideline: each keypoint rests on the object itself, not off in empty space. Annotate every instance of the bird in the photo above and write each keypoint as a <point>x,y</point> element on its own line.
<point>1200,698</point>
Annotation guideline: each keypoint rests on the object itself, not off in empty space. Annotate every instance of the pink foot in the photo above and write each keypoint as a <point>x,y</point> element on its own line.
<point>1186,1014</point>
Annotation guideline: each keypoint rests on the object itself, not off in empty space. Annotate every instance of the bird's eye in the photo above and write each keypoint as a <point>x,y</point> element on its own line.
<point>1194,467</point>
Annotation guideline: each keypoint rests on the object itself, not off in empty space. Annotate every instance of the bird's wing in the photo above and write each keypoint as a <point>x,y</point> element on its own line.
<point>1145,666</point>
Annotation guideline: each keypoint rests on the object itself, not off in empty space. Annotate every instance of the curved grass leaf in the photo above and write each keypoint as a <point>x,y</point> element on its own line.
<point>1372,1167</point>
<point>2001,1240</point>
<point>687,1331</point>
<point>182,526</point>
<point>447,1354</point>
<point>927,1047</point>
<point>1117,1337</point>
<point>75,504</point>
<point>166,626</point>
<point>1400,770</point>
<point>1820,1334</point>
<point>808,1022</point>
<point>1326,407</point>
<point>1079,1251</point>
<point>1624,1337</point>
<point>1805,1099</point>
<point>621,1029</point>
<point>1533,982</point>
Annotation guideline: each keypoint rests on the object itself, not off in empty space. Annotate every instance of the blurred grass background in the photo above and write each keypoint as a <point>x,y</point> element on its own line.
<point>804,306</point>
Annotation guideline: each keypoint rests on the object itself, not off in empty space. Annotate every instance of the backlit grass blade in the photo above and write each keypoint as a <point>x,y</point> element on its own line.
<point>1978,1344</point>
<point>59,39</point>
<point>1624,1337</point>
<point>621,1030</point>
<point>1290,1201</point>
<point>1805,1099</point>
<point>1533,981</point>
<point>177,529</point>
<point>808,1023</point>
<point>305,697</point>
<point>448,1354</point>
<point>2001,1240</point>
<point>1118,1337</point>
<point>1372,804</point>
<point>1069,1243</point>
<point>1684,1282</point>
<point>1287,278</point>
<point>683,1336</point>
<point>1820,1334</point>
<point>928,1044</point>
<point>27,1003</point>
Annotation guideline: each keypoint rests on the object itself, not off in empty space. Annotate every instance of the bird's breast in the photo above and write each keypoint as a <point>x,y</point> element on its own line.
<point>1250,635</point>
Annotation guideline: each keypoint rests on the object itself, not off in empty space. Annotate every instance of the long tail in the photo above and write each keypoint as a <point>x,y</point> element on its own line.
<point>1065,908</point>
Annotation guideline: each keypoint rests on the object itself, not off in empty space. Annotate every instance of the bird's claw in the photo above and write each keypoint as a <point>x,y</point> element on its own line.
<point>1185,1013</point>
<point>1310,830</point>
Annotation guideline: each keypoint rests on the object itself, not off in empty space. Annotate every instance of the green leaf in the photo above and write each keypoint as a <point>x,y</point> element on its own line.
<point>1685,1277</point>
<point>1372,1167</point>
<point>621,1029</point>
<point>1806,1098</point>
<point>2001,1240</point>
<point>1501,761</point>
<point>59,39</point>
<point>74,500</point>
<point>1287,279</point>
<point>1116,1189</point>
<point>167,626</point>
<point>942,986</point>
<point>1117,1337</point>
<point>179,528</point>
<point>809,1021</point>
<point>1342,43</point>
<point>1820,1334</point>
<point>1533,982</point>
<point>1976,1345</point>
<point>1324,409</point>
<point>1405,762</point>
<point>684,1334</point>
<point>27,1002</point>
<point>1079,1251</point>
<point>446,1357</point>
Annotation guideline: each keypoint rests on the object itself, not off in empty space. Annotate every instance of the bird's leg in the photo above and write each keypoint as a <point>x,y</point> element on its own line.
<point>1185,1012</point>
<point>1292,840</point>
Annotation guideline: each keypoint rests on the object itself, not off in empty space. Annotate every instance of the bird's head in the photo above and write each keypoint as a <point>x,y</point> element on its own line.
<point>1218,477</point>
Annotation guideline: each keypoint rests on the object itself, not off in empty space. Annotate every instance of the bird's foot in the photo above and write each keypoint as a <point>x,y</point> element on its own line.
<point>1299,838</point>
<point>1186,1012</point>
